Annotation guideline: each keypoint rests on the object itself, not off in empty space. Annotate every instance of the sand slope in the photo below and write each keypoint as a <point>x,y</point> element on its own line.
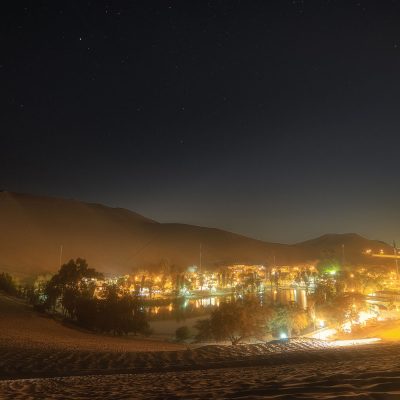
<point>22,329</point>
<point>366,374</point>
<point>61,363</point>
<point>116,240</point>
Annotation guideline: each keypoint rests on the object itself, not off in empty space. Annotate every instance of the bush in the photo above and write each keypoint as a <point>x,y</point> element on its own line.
<point>7,284</point>
<point>147,330</point>
<point>183,333</point>
<point>41,308</point>
<point>203,327</point>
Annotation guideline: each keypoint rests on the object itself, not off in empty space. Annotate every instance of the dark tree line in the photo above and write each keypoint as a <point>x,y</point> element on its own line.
<point>7,284</point>
<point>73,292</point>
<point>244,319</point>
<point>114,313</point>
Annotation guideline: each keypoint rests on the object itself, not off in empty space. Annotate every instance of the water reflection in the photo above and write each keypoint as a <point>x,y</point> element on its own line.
<point>183,308</point>
<point>288,296</point>
<point>206,301</point>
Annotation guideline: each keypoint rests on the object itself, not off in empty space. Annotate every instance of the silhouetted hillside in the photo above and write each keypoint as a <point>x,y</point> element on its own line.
<point>115,240</point>
<point>347,247</point>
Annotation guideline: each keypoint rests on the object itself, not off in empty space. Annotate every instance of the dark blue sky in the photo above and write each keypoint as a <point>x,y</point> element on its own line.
<point>275,119</point>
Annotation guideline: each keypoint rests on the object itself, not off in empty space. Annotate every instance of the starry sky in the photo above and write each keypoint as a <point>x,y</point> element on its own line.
<point>279,119</point>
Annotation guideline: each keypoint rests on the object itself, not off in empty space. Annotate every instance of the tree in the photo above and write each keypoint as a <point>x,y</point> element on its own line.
<point>345,307</point>
<point>73,288</point>
<point>121,314</point>
<point>87,312</point>
<point>182,333</point>
<point>329,264</point>
<point>7,284</point>
<point>236,321</point>
<point>70,295</point>
<point>288,319</point>
<point>73,272</point>
<point>369,280</point>
<point>68,282</point>
<point>305,277</point>
<point>325,291</point>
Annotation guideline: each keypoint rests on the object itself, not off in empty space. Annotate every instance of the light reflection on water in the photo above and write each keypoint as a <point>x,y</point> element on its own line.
<point>183,308</point>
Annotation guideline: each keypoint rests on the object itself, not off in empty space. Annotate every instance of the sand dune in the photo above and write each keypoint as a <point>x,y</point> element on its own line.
<point>42,359</point>
<point>367,373</point>
<point>116,240</point>
<point>34,361</point>
<point>21,327</point>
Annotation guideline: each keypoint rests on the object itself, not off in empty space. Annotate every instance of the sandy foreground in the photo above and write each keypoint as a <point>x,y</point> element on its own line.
<point>370,372</point>
<point>21,327</point>
<point>42,359</point>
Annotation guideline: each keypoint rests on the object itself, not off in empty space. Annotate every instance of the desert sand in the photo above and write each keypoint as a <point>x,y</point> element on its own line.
<point>115,240</point>
<point>42,359</point>
<point>21,327</point>
<point>371,372</point>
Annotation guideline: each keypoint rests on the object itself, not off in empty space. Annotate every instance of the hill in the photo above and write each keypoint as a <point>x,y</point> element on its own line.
<point>116,240</point>
<point>347,247</point>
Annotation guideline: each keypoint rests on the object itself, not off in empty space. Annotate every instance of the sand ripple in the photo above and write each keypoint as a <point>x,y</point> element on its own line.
<point>373,378</point>
<point>371,372</point>
<point>63,363</point>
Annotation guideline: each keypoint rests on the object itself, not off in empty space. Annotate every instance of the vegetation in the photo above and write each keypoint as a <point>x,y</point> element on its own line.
<point>337,299</point>
<point>341,308</point>
<point>7,284</point>
<point>237,321</point>
<point>74,279</point>
<point>114,313</point>
<point>72,291</point>
<point>288,320</point>
<point>241,320</point>
<point>329,265</point>
<point>183,333</point>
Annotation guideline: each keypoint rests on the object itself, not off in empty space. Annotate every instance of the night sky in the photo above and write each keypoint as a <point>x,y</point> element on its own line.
<point>279,120</point>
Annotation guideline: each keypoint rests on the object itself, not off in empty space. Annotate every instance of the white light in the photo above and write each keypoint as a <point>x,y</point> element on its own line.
<point>324,334</point>
<point>354,342</point>
<point>283,335</point>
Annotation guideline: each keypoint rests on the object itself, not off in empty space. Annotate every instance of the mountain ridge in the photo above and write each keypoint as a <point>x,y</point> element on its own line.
<point>116,240</point>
